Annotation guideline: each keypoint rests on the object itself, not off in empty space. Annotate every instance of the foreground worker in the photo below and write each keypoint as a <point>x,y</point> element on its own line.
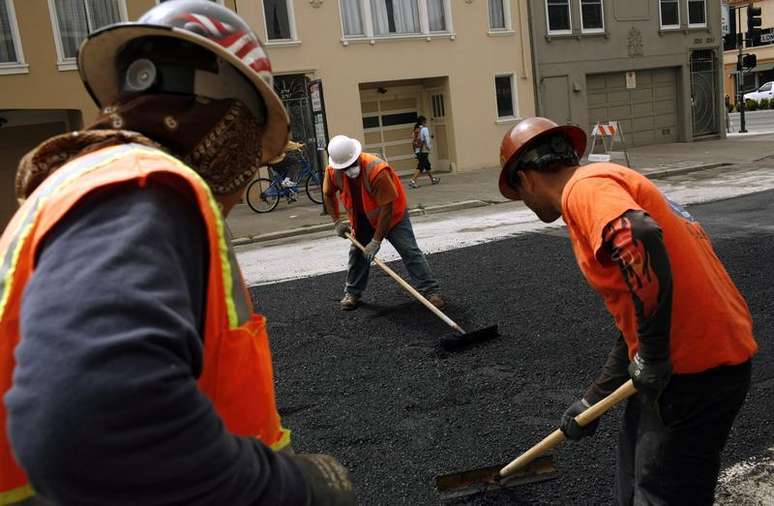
<point>686,332</point>
<point>376,207</point>
<point>133,368</point>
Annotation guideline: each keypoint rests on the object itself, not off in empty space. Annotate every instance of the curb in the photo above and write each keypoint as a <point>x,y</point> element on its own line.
<point>444,208</point>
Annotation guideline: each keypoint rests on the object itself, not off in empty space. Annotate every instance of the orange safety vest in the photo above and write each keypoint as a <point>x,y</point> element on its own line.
<point>237,372</point>
<point>370,167</point>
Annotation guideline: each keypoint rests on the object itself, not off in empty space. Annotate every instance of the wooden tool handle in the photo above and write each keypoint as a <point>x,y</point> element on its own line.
<point>624,391</point>
<point>410,289</point>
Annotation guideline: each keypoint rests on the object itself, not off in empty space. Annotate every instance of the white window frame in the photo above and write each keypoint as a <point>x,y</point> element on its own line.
<point>64,63</point>
<point>293,40</point>
<point>506,15</point>
<point>19,66</point>
<point>424,24</point>
<point>592,30</point>
<point>514,99</point>
<point>660,18</point>
<point>688,13</point>
<point>548,20</point>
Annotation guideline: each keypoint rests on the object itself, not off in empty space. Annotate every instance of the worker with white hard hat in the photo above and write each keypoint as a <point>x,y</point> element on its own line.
<point>375,202</point>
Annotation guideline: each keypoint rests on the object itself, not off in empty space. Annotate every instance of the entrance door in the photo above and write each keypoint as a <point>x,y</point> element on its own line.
<point>435,105</point>
<point>704,93</point>
<point>294,92</point>
<point>556,99</point>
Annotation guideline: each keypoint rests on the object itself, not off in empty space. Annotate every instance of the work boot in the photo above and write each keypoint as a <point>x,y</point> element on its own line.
<point>349,302</point>
<point>436,300</point>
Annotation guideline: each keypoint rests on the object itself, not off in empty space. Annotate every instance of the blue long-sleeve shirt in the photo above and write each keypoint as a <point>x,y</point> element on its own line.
<point>104,407</point>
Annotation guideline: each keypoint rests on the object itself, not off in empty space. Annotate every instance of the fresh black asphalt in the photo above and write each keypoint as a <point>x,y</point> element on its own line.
<point>372,387</point>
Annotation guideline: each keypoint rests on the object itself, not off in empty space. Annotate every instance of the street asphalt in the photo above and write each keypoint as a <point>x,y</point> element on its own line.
<point>372,387</point>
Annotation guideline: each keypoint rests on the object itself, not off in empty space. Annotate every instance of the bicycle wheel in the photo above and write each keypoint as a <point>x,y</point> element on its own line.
<point>314,187</point>
<point>262,195</point>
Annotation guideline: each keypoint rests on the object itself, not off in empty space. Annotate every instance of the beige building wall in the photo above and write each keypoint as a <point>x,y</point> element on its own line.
<point>467,60</point>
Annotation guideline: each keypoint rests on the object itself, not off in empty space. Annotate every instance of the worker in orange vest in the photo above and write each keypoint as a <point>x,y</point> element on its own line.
<point>133,369</point>
<point>375,203</point>
<point>685,330</point>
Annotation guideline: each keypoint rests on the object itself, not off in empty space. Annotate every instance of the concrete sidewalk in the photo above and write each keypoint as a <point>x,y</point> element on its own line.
<point>479,188</point>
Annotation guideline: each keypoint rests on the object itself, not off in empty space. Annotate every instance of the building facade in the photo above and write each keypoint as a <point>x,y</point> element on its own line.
<point>652,65</point>
<point>364,68</point>
<point>465,65</point>
<point>735,20</point>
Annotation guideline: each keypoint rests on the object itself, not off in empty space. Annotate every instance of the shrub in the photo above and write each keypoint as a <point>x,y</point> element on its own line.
<point>751,105</point>
<point>764,104</point>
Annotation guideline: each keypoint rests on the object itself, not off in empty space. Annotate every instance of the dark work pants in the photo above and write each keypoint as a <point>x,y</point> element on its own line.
<point>402,239</point>
<point>671,455</point>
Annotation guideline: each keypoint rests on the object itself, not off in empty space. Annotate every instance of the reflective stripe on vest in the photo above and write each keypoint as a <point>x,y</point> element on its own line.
<point>236,373</point>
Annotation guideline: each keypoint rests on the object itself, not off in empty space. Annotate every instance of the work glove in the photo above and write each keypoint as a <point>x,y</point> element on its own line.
<point>371,249</point>
<point>326,479</point>
<point>342,228</point>
<point>650,377</point>
<point>571,429</point>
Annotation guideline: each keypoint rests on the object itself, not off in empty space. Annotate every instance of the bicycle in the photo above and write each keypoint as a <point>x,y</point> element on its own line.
<point>263,194</point>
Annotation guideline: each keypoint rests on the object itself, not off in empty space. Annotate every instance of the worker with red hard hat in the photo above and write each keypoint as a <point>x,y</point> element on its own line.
<point>133,368</point>
<point>685,330</point>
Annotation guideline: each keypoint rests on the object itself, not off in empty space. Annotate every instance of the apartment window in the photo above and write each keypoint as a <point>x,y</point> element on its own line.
<point>592,16</point>
<point>697,13</point>
<point>385,18</point>
<point>278,16</point>
<point>558,15</point>
<point>504,93</point>
<point>352,18</point>
<point>75,19</point>
<point>499,15</point>
<point>11,58</point>
<point>670,13</point>
<point>162,1</point>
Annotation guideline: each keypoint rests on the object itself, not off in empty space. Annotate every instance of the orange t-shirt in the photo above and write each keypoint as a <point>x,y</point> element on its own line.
<point>711,323</point>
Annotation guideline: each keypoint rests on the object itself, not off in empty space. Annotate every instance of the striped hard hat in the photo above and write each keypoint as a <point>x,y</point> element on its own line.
<point>207,51</point>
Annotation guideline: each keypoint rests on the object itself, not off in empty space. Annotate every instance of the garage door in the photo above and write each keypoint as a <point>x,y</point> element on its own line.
<point>647,112</point>
<point>388,125</point>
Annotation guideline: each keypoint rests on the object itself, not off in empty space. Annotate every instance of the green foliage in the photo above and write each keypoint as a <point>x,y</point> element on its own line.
<point>751,105</point>
<point>764,103</point>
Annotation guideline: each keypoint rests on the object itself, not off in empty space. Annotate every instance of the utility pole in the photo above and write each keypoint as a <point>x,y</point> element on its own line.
<point>740,69</point>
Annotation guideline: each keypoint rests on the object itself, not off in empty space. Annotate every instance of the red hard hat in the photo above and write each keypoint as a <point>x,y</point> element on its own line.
<point>521,135</point>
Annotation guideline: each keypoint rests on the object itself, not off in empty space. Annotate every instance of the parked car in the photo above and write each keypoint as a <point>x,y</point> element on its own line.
<point>765,91</point>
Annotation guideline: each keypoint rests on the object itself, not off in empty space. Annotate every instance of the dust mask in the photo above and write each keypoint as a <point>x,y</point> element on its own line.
<point>353,172</point>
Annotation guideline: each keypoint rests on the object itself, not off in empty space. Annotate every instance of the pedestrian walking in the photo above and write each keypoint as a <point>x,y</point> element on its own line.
<point>422,144</point>
<point>375,203</point>
<point>133,369</point>
<point>685,330</point>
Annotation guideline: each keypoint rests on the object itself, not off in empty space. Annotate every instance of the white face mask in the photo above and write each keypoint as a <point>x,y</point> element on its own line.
<point>353,172</point>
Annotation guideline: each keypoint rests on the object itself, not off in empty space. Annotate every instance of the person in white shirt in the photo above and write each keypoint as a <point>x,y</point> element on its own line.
<point>422,146</point>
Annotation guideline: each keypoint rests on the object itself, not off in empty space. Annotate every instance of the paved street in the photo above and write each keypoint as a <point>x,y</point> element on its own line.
<point>372,388</point>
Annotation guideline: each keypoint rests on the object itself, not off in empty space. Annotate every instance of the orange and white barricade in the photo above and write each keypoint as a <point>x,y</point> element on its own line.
<point>607,134</point>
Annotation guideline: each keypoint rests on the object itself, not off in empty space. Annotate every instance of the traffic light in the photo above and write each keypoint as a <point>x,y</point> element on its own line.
<point>749,61</point>
<point>753,25</point>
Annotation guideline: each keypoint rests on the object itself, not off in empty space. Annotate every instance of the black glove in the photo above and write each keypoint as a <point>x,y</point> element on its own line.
<point>342,228</point>
<point>571,429</point>
<point>650,377</point>
<point>327,480</point>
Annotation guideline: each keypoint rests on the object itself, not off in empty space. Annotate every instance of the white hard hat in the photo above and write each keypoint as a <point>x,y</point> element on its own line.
<point>343,151</point>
